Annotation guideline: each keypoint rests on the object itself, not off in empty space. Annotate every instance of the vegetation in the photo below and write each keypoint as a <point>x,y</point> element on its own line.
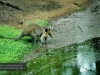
<point>50,62</point>
<point>14,51</point>
<point>43,23</point>
<point>10,50</point>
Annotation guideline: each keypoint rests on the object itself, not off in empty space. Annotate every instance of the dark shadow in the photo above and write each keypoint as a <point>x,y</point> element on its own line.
<point>10,5</point>
<point>96,45</point>
<point>29,40</point>
<point>8,12</point>
<point>50,5</point>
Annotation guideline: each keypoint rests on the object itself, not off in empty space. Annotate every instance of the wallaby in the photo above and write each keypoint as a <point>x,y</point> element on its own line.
<point>34,31</point>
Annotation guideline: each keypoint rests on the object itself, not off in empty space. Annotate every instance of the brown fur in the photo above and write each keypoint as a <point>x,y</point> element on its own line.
<point>34,31</point>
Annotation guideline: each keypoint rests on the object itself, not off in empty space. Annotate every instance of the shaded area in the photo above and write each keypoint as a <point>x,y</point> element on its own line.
<point>20,12</point>
<point>42,5</point>
<point>8,14</point>
<point>12,11</point>
<point>8,4</point>
<point>31,6</point>
<point>96,44</point>
<point>50,5</point>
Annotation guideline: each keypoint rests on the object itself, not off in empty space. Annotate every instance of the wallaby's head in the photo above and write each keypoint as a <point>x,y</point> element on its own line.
<point>47,30</point>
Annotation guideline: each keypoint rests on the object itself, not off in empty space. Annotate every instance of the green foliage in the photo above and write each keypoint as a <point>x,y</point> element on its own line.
<point>43,23</point>
<point>10,50</point>
<point>9,31</point>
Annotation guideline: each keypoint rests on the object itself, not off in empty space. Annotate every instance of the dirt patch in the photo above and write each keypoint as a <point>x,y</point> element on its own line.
<point>77,27</point>
<point>35,53</point>
<point>20,12</point>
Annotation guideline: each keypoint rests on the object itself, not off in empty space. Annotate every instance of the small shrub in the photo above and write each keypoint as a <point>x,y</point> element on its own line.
<point>43,23</point>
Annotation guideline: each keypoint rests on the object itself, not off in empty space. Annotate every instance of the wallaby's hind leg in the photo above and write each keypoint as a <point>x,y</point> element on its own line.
<point>18,38</point>
<point>45,41</point>
<point>33,36</point>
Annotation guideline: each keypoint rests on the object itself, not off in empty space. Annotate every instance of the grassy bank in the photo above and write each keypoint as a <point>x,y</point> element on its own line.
<point>14,51</point>
<point>10,50</point>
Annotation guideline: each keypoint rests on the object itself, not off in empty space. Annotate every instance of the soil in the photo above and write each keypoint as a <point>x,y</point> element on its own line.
<point>77,27</point>
<point>20,12</point>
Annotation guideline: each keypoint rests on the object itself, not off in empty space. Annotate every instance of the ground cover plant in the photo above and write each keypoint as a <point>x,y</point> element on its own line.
<point>10,50</point>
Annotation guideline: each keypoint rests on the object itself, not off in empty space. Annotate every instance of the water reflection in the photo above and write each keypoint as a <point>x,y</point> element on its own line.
<point>86,60</point>
<point>68,71</point>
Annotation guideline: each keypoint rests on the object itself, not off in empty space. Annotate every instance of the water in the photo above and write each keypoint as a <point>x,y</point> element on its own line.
<point>76,59</point>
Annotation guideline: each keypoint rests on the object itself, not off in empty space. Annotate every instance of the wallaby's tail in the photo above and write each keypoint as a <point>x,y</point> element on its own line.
<point>18,38</point>
<point>21,36</point>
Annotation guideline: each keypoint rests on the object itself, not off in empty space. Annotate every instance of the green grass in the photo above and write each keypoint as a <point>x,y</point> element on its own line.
<point>42,23</point>
<point>14,51</point>
<point>9,31</point>
<point>10,50</point>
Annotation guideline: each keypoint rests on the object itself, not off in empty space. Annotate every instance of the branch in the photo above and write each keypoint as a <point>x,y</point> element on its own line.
<point>10,5</point>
